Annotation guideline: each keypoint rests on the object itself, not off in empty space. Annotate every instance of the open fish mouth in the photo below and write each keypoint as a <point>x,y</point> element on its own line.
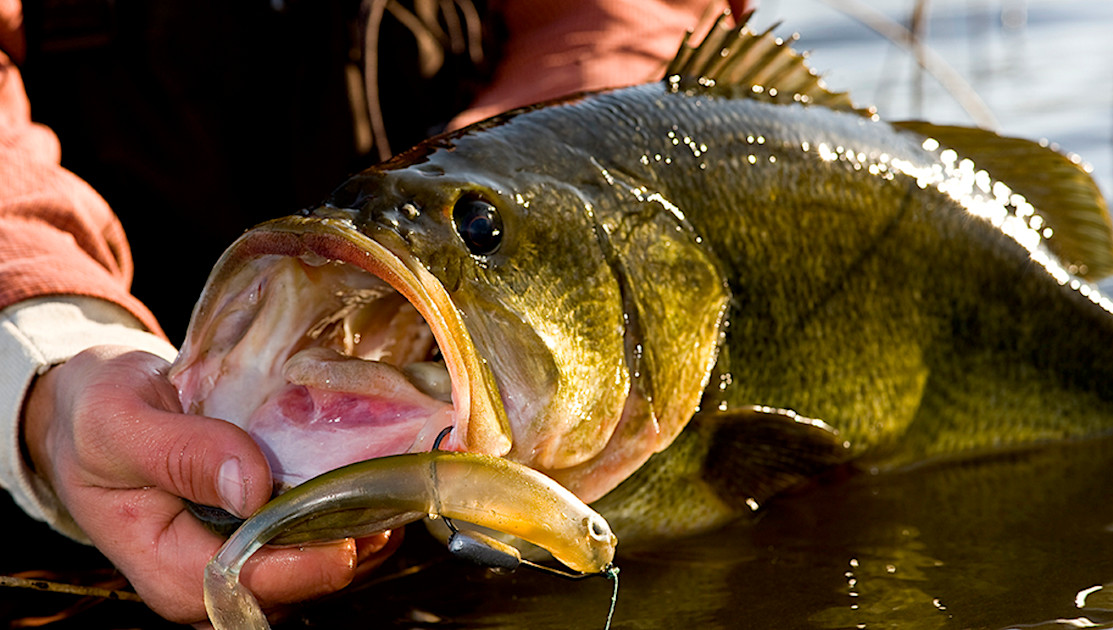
<point>329,348</point>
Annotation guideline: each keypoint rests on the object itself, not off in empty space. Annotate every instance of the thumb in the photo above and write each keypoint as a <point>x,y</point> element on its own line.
<point>205,460</point>
<point>129,431</point>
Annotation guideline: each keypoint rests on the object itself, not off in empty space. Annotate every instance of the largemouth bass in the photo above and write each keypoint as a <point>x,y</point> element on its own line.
<point>676,299</point>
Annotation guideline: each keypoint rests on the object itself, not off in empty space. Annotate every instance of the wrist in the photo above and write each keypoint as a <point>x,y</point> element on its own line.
<point>34,336</point>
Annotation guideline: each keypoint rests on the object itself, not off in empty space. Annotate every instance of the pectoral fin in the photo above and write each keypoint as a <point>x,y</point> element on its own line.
<point>724,465</point>
<point>757,452</point>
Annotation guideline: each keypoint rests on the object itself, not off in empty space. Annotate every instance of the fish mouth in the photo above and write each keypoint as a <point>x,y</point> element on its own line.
<point>329,347</point>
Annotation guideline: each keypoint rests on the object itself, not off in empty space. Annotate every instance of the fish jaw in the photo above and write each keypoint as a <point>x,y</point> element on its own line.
<point>283,344</point>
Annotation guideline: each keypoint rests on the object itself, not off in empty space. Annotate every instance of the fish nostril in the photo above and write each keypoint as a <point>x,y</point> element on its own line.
<point>410,210</point>
<point>331,211</point>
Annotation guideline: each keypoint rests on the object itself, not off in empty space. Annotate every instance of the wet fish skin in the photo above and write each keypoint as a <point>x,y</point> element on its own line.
<point>843,286</point>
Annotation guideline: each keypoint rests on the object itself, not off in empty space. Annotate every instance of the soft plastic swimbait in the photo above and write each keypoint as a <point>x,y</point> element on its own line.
<point>388,492</point>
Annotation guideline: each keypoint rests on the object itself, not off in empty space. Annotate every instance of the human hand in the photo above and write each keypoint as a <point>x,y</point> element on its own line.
<point>106,430</point>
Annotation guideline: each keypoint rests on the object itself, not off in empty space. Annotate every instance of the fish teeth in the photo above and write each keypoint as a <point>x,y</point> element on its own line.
<point>431,378</point>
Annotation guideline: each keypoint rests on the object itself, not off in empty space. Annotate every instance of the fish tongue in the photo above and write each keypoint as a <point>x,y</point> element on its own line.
<point>327,369</point>
<point>336,410</point>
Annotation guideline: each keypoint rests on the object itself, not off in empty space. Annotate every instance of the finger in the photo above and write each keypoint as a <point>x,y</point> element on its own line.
<point>202,459</point>
<point>163,552</point>
<point>373,551</point>
<point>129,432</point>
<point>131,451</point>
<point>369,547</point>
<point>292,574</point>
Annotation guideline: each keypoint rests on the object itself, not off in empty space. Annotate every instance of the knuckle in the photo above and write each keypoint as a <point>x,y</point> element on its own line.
<point>181,458</point>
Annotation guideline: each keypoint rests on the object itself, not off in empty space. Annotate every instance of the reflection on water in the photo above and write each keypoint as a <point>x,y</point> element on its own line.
<point>1018,541</point>
<point>1004,543</point>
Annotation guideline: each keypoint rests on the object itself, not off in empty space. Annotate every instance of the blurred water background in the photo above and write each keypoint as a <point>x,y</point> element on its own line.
<point>1039,69</point>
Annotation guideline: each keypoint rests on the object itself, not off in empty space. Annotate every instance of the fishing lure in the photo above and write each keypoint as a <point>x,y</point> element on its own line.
<point>388,492</point>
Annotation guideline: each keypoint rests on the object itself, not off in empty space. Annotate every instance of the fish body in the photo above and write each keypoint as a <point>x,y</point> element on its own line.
<point>676,299</point>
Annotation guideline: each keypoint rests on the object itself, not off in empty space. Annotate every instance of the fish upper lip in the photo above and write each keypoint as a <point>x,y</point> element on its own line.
<point>479,419</point>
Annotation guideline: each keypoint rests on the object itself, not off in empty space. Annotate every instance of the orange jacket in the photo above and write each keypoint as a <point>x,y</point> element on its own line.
<point>46,210</point>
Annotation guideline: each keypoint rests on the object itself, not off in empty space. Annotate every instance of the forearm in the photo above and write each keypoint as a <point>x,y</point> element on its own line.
<point>57,235</point>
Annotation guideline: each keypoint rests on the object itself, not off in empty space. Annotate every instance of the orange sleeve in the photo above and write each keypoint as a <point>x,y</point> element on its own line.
<point>553,49</point>
<point>57,235</point>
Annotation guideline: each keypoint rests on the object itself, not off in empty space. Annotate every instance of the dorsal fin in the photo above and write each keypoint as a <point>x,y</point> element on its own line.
<point>1059,186</point>
<point>735,61</point>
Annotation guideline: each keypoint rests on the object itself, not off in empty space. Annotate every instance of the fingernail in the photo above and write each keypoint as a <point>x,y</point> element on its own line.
<point>230,485</point>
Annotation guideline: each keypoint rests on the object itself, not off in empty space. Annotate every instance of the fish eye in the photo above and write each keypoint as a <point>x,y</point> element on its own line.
<point>478,223</point>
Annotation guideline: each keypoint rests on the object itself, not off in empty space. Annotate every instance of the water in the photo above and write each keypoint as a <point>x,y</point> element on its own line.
<point>1017,541</point>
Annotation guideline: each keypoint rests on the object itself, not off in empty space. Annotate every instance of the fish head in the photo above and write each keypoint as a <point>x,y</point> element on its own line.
<point>426,292</point>
<point>515,254</point>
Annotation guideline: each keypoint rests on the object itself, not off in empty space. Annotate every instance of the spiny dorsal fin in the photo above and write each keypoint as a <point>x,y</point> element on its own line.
<point>1059,186</point>
<point>735,61</point>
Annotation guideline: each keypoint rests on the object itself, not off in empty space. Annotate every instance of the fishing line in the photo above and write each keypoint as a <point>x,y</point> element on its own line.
<point>611,572</point>
<point>494,554</point>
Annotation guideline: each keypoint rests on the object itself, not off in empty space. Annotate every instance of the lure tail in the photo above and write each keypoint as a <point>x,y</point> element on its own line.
<point>230,605</point>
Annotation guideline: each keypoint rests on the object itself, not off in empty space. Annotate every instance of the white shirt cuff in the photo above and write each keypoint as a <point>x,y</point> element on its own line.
<point>35,335</point>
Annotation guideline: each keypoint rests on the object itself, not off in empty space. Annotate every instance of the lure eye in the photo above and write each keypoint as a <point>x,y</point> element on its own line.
<point>598,529</point>
<point>479,225</point>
